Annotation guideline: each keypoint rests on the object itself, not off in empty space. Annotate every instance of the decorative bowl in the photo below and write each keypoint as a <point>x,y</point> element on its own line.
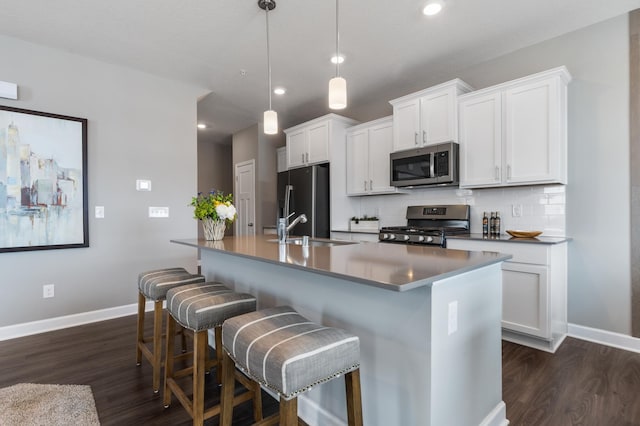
<point>523,234</point>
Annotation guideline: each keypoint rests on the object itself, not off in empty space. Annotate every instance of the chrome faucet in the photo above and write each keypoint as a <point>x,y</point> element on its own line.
<point>284,227</point>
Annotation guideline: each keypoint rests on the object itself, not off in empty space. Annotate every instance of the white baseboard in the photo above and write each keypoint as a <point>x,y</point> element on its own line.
<point>57,323</point>
<point>603,337</point>
<point>497,416</point>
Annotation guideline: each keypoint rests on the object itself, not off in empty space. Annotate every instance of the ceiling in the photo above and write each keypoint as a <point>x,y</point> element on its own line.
<point>391,48</point>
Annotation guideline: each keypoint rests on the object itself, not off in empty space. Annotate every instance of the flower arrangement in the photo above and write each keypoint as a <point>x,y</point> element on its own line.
<point>215,205</point>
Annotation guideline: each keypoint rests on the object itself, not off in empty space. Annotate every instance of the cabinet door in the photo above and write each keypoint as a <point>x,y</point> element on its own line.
<point>438,117</point>
<point>525,295</point>
<point>406,125</point>
<point>318,150</point>
<point>281,159</point>
<point>296,148</point>
<point>532,133</point>
<point>358,162</point>
<point>481,140</point>
<point>380,146</point>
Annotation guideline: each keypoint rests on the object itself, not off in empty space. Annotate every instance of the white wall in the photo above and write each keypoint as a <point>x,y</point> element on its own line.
<point>139,126</point>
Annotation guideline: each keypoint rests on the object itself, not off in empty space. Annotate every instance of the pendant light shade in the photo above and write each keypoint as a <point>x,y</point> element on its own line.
<point>337,93</point>
<point>337,85</point>
<point>270,116</point>
<point>270,122</point>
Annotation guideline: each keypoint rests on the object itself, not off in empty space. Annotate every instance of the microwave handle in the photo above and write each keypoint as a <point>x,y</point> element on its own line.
<point>432,164</point>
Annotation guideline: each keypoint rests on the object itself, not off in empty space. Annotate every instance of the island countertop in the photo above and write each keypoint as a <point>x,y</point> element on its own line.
<point>393,267</point>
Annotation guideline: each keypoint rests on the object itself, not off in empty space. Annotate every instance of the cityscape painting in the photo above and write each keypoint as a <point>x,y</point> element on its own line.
<point>43,181</point>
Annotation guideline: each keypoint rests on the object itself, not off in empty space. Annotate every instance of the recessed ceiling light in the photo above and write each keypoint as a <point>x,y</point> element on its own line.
<point>202,126</point>
<point>339,59</point>
<point>279,90</point>
<point>433,7</point>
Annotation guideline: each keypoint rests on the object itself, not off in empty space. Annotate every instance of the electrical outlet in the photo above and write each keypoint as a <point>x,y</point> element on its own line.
<point>158,211</point>
<point>453,317</point>
<point>516,210</point>
<point>47,291</point>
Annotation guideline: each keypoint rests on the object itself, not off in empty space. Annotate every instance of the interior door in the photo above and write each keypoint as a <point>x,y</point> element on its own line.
<point>245,198</point>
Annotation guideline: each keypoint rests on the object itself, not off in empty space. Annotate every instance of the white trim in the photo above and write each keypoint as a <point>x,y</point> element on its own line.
<point>604,337</point>
<point>57,323</point>
<point>497,416</point>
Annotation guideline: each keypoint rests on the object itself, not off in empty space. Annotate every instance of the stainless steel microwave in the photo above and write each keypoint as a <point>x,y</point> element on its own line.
<point>429,165</point>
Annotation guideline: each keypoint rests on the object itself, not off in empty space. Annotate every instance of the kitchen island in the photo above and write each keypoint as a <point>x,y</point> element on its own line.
<point>428,321</point>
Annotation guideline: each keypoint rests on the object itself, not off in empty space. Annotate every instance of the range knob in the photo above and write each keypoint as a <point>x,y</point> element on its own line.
<point>405,238</point>
<point>421,238</point>
<point>385,236</point>
<point>429,239</point>
<point>392,236</point>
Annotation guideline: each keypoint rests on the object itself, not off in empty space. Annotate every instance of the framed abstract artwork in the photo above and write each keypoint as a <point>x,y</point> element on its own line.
<point>43,181</point>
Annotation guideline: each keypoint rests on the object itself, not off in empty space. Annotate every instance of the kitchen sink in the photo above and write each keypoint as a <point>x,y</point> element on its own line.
<point>313,242</point>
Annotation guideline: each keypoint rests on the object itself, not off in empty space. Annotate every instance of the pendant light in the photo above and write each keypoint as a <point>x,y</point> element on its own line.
<point>270,116</point>
<point>337,85</point>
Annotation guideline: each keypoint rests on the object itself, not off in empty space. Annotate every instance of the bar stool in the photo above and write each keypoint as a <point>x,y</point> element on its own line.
<point>289,354</point>
<point>200,307</point>
<point>153,285</point>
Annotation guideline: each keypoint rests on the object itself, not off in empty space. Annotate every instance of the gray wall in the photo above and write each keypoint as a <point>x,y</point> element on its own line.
<point>598,190</point>
<point>140,126</point>
<point>252,143</point>
<point>215,170</point>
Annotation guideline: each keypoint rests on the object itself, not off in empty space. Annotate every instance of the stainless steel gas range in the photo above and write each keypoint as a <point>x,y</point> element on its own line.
<point>429,225</point>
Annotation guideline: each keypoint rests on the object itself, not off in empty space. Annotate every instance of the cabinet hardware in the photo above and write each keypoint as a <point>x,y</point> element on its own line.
<point>416,138</point>
<point>302,157</point>
<point>307,157</point>
<point>497,173</point>
<point>508,171</point>
<point>370,185</point>
<point>365,185</point>
<point>424,137</point>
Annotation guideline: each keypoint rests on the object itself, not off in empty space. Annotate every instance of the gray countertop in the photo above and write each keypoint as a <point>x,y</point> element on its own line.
<point>509,239</point>
<point>395,267</point>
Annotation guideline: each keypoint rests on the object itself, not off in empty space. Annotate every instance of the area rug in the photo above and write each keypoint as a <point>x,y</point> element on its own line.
<point>28,404</point>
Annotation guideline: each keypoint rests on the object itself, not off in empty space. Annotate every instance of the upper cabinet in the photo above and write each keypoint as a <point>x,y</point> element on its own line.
<point>427,117</point>
<point>309,143</point>
<point>515,133</point>
<point>281,159</point>
<point>368,149</point>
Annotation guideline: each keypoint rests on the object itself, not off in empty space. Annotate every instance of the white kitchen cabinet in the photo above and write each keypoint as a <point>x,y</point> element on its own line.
<point>534,290</point>
<point>368,149</point>
<point>281,159</point>
<point>427,117</point>
<point>309,143</point>
<point>515,133</point>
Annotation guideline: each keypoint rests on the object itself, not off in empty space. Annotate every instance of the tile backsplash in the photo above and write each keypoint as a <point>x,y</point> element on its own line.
<point>542,207</point>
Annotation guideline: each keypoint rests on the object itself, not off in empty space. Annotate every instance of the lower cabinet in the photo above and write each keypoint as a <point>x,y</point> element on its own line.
<point>534,290</point>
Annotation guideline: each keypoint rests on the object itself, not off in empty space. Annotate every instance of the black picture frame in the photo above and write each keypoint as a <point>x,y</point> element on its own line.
<point>43,181</point>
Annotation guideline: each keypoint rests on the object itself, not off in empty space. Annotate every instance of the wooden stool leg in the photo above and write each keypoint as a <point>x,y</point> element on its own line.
<point>257,402</point>
<point>168,363</point>
<point>140,335</point>
<point>218,339</point>
<point>228,386</point>
<point>200,346</point>
<point>288,412</point>
<point>156,361</point>
<point>184,339</point>
<point>354,398</point>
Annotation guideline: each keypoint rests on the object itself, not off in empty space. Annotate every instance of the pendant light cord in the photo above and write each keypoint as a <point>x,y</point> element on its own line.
<point>337,43</point>
<point>266,9</point>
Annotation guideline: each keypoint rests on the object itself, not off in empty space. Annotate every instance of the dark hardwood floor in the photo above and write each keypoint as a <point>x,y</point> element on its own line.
<point>581,384</point>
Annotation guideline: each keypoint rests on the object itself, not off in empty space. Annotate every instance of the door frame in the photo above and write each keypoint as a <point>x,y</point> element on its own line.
<point>252,163</point>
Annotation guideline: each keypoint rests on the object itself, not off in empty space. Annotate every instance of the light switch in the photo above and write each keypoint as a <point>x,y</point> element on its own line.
<point>99,212</point>
<point>143,185</point>
<point>8,90</point>
<point>158,211</point>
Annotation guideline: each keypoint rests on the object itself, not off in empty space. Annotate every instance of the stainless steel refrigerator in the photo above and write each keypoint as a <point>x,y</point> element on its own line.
<point>309,195</point>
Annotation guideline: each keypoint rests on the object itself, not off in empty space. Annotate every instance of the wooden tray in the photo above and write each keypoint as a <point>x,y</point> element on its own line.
<point>523,234</point>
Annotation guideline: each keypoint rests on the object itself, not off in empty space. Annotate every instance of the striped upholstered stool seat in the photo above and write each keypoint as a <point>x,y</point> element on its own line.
<point>289,354</point>
<point>200,307</point>
<point>153,285</point>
